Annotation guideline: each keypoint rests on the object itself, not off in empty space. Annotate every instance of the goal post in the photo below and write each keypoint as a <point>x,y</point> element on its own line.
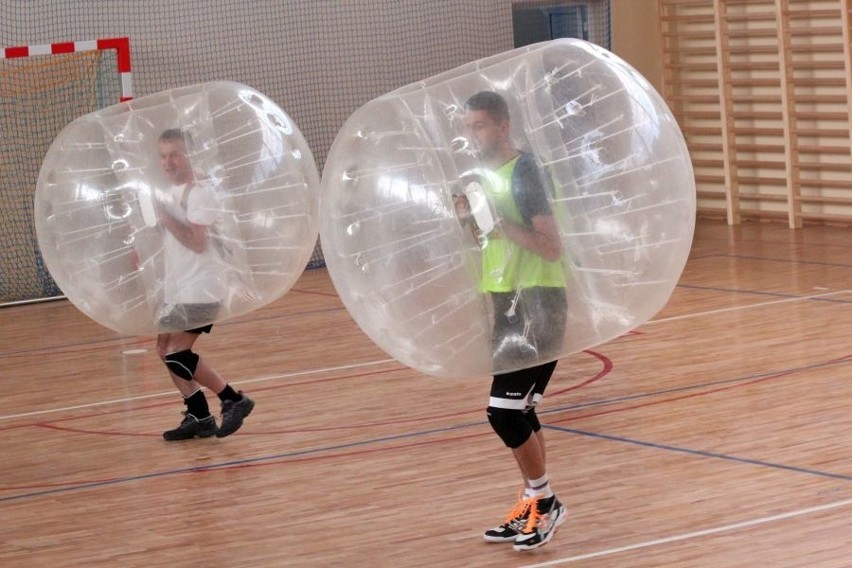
<point>42,89</point>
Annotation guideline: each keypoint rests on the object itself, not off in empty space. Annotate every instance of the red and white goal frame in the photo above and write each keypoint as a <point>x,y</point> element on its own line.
<point>121,45</point>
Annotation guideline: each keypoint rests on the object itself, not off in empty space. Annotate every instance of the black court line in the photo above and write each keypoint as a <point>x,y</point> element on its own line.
<point>701,453</point>
<point>772,294</point>
<point>785,260</point>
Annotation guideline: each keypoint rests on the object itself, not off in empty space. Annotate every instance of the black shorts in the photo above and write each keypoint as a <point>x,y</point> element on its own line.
<point>187,317</point>
<point>529,326</point>
<point>521,390</point>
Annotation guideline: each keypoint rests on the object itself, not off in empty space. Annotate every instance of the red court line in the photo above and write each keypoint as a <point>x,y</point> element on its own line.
<point>777,375</point>
<point>280,461</point>
<point>605,370</point>
<point>441,440</point>
<point>488,432</point>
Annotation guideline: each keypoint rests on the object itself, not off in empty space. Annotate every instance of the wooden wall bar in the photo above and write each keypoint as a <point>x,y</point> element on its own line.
<point>761,89</point>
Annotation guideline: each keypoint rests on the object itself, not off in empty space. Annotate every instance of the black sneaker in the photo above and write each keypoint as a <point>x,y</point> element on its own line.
<point>513,524</point>
<point>191,427</point>
<point>545,518</point>
<point>233,414</point>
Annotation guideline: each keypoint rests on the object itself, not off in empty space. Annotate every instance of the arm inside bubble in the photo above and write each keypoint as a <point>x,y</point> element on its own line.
<point>533,189</point>
<point>201,206</point>
<point>542,239</point>
<point>192,236</point>
<point>462,207</point>
<point>464,214</point>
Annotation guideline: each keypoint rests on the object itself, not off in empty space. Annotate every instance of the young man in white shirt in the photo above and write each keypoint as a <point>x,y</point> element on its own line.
<point>194,288</point>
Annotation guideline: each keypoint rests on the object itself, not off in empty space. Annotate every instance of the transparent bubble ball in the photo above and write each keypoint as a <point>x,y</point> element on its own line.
<point>110,216</point>
<point>619,189</point>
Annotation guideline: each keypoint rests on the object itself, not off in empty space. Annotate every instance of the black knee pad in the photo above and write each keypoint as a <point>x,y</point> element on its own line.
<point>532,419</point>
<point>183,363</point>
<point>511,425</point>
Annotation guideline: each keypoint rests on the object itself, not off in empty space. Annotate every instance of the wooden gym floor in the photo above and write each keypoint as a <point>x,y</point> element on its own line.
<point>718,434</point>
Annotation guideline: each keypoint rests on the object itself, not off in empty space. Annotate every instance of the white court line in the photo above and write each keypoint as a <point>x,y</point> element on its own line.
<point>753,522</point>
<point>735,308</point>
<point>171,392</point>
<point>383,361</point>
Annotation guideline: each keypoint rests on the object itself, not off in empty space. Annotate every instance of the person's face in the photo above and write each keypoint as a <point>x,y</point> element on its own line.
<point>174,161</point>
<point>485,133</point>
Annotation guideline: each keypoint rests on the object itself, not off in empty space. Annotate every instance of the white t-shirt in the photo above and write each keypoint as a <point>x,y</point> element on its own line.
<point>192,277</point>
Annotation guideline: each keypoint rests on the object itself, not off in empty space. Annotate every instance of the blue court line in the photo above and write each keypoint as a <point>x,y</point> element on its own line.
<point>349,445</point>
<point>693,387</point>
<point>223,465</point>
<point>701,453</point>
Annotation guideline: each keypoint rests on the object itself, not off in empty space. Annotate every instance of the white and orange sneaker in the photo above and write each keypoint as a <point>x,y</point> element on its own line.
<point>513,524</point>
<point>544,518</point>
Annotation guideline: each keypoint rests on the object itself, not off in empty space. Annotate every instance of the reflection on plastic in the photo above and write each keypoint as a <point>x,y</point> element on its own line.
<point>479,207</point>
<point>411,272</point>
<point>103,196</point>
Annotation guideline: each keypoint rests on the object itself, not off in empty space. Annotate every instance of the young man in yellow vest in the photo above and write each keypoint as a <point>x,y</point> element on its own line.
<point>523,274</point>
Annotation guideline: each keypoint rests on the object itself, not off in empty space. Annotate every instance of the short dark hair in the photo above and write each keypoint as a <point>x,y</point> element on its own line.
<point>493,103</point>
<point>172,134</point>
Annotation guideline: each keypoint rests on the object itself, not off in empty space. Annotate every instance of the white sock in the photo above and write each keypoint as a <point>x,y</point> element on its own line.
<point>540,486</point>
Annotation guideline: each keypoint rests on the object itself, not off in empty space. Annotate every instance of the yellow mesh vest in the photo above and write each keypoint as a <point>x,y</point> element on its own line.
<point>505,265</point>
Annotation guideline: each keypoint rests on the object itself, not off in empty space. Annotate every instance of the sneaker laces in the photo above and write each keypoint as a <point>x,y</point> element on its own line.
<point>534,517</point>
<point>187,417</point>
<point>228,405</point>
<point>519,510</point>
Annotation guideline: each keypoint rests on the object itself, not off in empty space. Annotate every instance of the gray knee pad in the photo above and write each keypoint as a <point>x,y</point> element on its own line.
<point>511,425</point>
<point>183,363</point>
